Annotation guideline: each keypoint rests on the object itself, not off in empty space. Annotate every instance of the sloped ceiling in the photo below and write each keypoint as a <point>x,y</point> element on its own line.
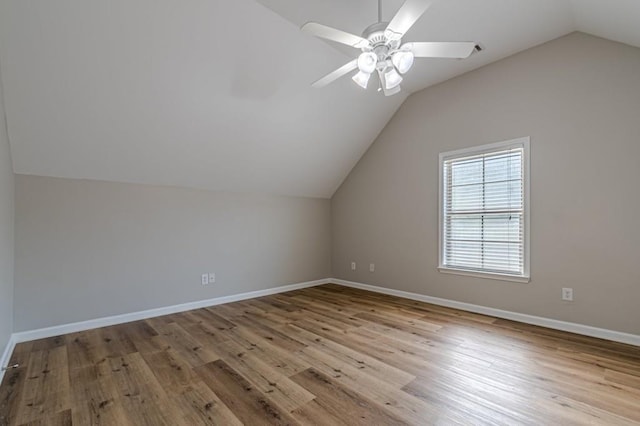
<point>215,94</point>
<point>200,93</point>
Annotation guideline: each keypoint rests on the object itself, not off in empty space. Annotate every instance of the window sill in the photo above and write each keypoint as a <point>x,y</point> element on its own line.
<point>489,275</point>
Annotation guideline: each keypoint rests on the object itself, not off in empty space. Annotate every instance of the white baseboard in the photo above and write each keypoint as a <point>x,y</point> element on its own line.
<point>42,333</point>
<point>616,336</point>
<point>6,355</point>
<point>25,336</point>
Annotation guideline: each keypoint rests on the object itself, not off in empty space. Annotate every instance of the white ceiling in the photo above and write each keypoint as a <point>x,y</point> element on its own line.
<point>215,94</point>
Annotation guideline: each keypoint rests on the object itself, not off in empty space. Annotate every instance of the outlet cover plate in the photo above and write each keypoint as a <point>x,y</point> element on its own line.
<point>567,294</point>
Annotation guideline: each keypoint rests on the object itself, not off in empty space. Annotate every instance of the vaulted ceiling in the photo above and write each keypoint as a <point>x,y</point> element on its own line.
<point>216,94</point>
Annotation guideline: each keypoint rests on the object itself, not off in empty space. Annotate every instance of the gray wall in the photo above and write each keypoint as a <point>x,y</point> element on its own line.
<point>6,234</point>
<point>578,98</point>
<point>88,249</point>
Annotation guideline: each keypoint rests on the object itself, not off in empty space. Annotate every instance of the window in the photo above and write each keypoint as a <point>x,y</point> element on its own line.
<point>484,211</point>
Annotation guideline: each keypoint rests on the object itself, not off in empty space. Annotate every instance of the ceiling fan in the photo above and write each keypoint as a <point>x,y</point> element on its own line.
<point>382,48</point>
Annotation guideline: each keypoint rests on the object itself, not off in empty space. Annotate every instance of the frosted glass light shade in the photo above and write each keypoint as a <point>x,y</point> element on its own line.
<point>392,79</point>
<point>361,79</point>
<point>367,62</point>
<point>402,60</point>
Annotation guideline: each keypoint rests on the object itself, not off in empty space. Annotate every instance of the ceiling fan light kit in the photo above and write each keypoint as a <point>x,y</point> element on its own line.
<point>367,62</point>
<point>392,79</point>
<point>382,48</point>
<point>403,60</point>
<point>362,78</point>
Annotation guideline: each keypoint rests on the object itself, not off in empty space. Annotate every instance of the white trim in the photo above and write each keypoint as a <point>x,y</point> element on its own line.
<point>25,336</point>
<point>6,355</point>
<point>527,207</point>
<point>482,274</point>
<point>524,143</point>
<point>616,336</point>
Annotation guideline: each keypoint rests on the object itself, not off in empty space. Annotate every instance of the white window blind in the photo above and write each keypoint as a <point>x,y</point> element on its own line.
<point>483,210</point>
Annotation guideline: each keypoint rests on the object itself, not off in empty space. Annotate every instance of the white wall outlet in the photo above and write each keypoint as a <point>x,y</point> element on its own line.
<point>212,278</point>
<point>205,279</point>
<point>353,266</point>
<point>372,267</point>
<point>567,294</point>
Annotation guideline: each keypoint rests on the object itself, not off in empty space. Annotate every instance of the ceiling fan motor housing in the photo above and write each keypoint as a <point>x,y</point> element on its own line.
<point>375,33</point>
<point>380,44</point>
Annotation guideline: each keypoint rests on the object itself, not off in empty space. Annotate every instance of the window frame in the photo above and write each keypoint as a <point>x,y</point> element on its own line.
<point>523,143</point>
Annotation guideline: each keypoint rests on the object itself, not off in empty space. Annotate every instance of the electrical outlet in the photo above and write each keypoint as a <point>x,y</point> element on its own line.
<point>567,294</point>
<point>372,267</point>
<point>205,279</point>
<point>353,266</point>
<point>212,278</point>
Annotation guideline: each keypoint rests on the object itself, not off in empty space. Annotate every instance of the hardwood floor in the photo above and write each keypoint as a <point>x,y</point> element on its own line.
<point>325,355</point>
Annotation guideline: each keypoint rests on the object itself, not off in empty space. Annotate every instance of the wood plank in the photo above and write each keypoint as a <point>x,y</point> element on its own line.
<point>62,418</point>
<point>192,350</point>
<point>95,398</point>
<point>472,407</point>
<point>397,402</point>
<point>199,405</point>
<point>624,379</point>
<point>139,393</point>
<point>48,343</point>
<point>272,383</point>
<point>343,403</point>
<point>11,394</point>
<point>312,306</point>
<point>272,335</point>
<point>283,361</point>
<point>170,369</point>
<point>46,389</point>
<point>359,360</point>
<point>245,401</point>
<point>115,342</point>
<point>85,348</point>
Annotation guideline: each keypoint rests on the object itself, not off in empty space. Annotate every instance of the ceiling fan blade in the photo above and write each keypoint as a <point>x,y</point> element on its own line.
<point>334,34</point>
<point>428,49</point>
<point>406,16</point>
<point>387,92</point>
<point>334,75</point>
